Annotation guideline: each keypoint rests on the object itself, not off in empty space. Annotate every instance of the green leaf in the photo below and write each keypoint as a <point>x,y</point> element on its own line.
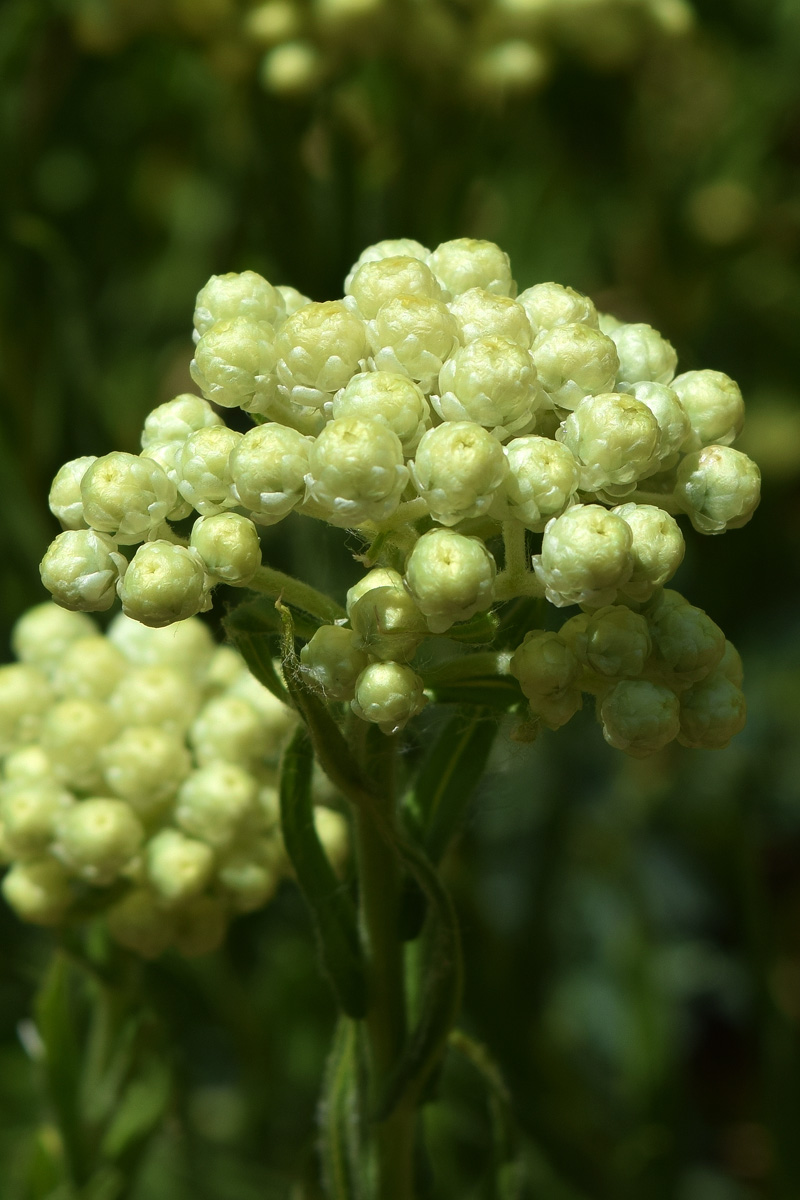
<point>508,1171</point>
<point>479,630</point>
<point>340,1117</point>
<point>140,1107</point>
<point>500,692</point>
<point>331,908</point>
<point>56,1022</point>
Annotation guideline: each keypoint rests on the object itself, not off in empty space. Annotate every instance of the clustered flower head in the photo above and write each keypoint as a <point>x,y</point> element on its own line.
<point>138,777</point>
<point>430,409</point>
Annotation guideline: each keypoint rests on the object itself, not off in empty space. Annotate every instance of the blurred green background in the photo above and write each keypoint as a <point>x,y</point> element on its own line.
<point>632,929</point>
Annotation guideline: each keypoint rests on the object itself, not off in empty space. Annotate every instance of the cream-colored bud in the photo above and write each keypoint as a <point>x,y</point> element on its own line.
<point>376,282</point>
<point>388,695</point>
<point>355,472</point>
<point>28,812</point>
<point>484,314</point>
<point>387,624</point>
<point>332,660</point>
<point>178,419</point>
<point>25,697</point>
<point>89,669</point>
<point>657,551</point>
<point>542,480</point>
<point>229,547</point>
<point>65,499</point>
<point>164,583</point>
<point>671,416</point>
<point>586,557</point>
<point>643,354</point>
<point>466,263</point>
<point>177,866</point>
<point>229,297</point>
<point>81,570</point>
<point>614,439</point>
<point>457,470</point>
<point>393,400</point>
<point>229,729</point>
<point>377,577</point>
<point>42,635</point>
<point>97,838</point>
<point>216,803</point>
<point>574,361</point>
<point>156,695</point>
<point>232,360</point>
<point>718,487</point>
<point>204,471</point>
<point>548,673</point>
<point>413,336</point>
<point>318,349</point>
<point>73,735</point>
<point>548,305</point>
<point>26,765</point>
<point>639,717</point>
<point>126,496</point>
<point>268,467</point>
<point>714,406</point>
<point>451,577</point>
<point>389,248</point>
<point>491,381</point>
<point>145,765</point>
<point>38,891</point>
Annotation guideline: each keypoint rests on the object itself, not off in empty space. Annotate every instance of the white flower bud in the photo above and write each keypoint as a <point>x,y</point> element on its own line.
<point>318,349</point>
<point>374,283</point>
<point>231,362</point>
<point>466,263</point>
<point>164,583</point>
<point>643,354</point>
<point>279,720</point>
<point>229,547</point>
<point>228,297</point>
<point>387,624</point>
<point>606,323</point>
<point>377,577</point>
<point>413,336</point>
<point>81,570</point>
<point>65,499</point>
<point>548,671</point>
<point>127,496</point>
<point>617,642</point>
<point>156,695</point>
<point>687,643</point>
<point>332,661</point>
<point>96,838</point>
<point>229,729</point>
<point>73,735</point>
<point>292,299</point>
<point>491,381</point>
<point>139,923</point>
<point>673,421</point>
<point>200,926</point>
<point>639,717</point>
<point>178,419</point>
<point>388,695</point>
<point>394,400</point>
<point>614,439</point>
<point>177,866</point>
<point>168,457</point>
<point>457,470</point>
<point>187,646</point>
<point>718,487</point>
<point>548,305</point>
<point>389,248</point>
<point>216,803</point>
<point>268,468</point>
<point>586,557</point>
<point>250,876</point>
<point>145,765</point>
<point>226,666</point>
<point>28,812</point>
<point>657,551</point>
<point>712,712</point>
<point>483,314</point>
<point>451,577</point>
<point>542,480</point>
<point>38,891</point>
<point>25,697</point>
<point>356,472</point>
<point>574,361</point>
<point>204,472</point>
<point>26,765</point>
<point>89,669</point>
<point>43,634</point>
<point>714,405</point>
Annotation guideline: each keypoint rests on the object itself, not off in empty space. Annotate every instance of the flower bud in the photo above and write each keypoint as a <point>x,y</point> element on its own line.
<point>216,803</point>
<point>26,765</point>
<point>318,349</point>
<point>639,717</point>
<point>268,468</point>
<point>73,735</point>
<point>542,480</point>
<point>413,336</point>
<point>291,69</point>
<point>394,400</point>
<point>156,695</point>
<point>687,643</point>
<point>355,472</point>
<point>97,838</point>
<point>574,361</point>
<point>617,642</point>
<point>145,765</point>
<point>28,812</point>
<point>643,354</point>
<point>168,457</point>
<point>38,891</point>
<point>204,471</point>
<point>178,419</point>
<point>229,297</point>
<point>332,661</point>
<point>614,439</point>
<point>549,305</point>
<point>229,547</point>
<point>139,923</point>
<point>292,299</point>
<point>547,671</point>
<point>718,487</point>
<point>127,496</point>
<point>187,646</point>
<point>657,551</point>
<point>387,624</point>
<point>491,381</point>
<point>89,669</point>
<point>177,867</point>
<point>65,499</point>
<point>81,570</point>
<point>714,405</point>
<point>670,415</point>
<point>586,557</point>
<point>466,263</point>
<point>231,362</point>
<point>42,635</point>
<point>278,719</point>
<point>377,577</point>
<point>25,697</point>
<point>250,876</point>
<point>451,577</point>
<point>457,470</point>
<point>164,583</point>
<point>483,314</point>
<point>389,248</point>
<point>228,729</point>
<point>712,712</point>
<point>376,282</point>
<point>388,695</point>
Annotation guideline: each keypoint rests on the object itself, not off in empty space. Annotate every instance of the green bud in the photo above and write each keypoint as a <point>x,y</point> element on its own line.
<point>549,305</point>
<point>229,297</point>
<point>712,712</point>
<point>232,360</point>
<point>177,867</point>
<point>451,577</point>
<point>97,838</point>
<point>714,406</point>
<point>139,923</point>
<point>413,336</point>
<point>719,488</point>
<point>586,557</point>
<point>28,811</point>
<point>65,499</point>
<point>164,583</point>
<point>319,348</point>
<point>178,419</point>
<point>639,717</point>
<point>81,570</point>
<point>458,469</point>
<point>542,480</point>
<point>687,643</point>
<point>643,354</point>
<point>574,361</point>
<point>25,697</point>
<point>204,469</point>
<point>229,547</point>
<point>42,635</point>
<point>38,891</point>
<point>614,439</point>
<point>466,263</point>
<point>145,765</point>
<point>126,496</point>
<point>387,624</point>
<point>389,695</point>
<point>617,642</point>
<point>484,314</point>
<point>216,802</point>
<point>548,671</point>
<point>73,735</point>
<point>268,468</point>
<point>332,660</point>
<point>229,729</point>
<point>657,550</point>
<point>374,283</point>
<point>393,400</point>
<point>163,696</point>
<point>356,472</point>
<point>186,646</point>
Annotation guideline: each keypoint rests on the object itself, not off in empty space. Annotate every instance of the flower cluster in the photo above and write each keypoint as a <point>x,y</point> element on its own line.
<point>139,778</point>
<point>431,409</point>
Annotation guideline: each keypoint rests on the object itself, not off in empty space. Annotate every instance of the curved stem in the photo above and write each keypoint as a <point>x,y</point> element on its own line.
<point>294,591</point>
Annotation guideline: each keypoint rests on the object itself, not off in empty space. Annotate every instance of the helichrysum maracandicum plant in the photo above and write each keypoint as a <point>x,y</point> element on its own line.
<point>445,420</point>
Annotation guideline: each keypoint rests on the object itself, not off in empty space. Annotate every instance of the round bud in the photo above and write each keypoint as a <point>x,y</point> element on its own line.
<point>216,803</point>
<point>250,876</point>
<point>89,669</point>
<point>26,765</point>
<point>81,570</point>
<point>586,557</point>
<point>542,480</point>
<point>204,471</point>
<point>574,361</point>
<point>544,665</point>
<point>388,695</point>
<point>65,499</point>
<point>291,69</point>
<point>614,438</point>
<point>25,697</point>
<point>413,336</point>
<point>387,624</point>
<point>178,419</point>
<point>671,416</point>
<point>318,349</point>
<point>643,354</point>
<point>97,838</point>
<point>28,812</point>
<point>394,400</point>
<point>548,305</point>
<point>718,487</point>
<point>156,695</point>
<point>712,712</point>
<point>451,577</point>
<point>389,248</point>
<point>466,263</point>
<point>730,665</point>
<point>72,736</point>
<point>639,717</point>
<point>127,496</point>
<point>177,867</point>
<point>657,551</point>
<point>687,643</point>
<point>229,547</point>
<point>229,729</point>
<point>355,472</point>
<point>231,362</point>
<point>332,661</point>
<point>457,470</point>
<point>483,314</point>
<point>714,406</point>
<point>42,635</point>
<point>268,468</point>
<point>187,646</point>
<point>38,891</point>
<point>377,577</point>
<point>491,381</point>
<point>226,665</point>
<point>376,282</point>
<point>164,583</point>
<point>139,923</point>
<point>278,719</point>
<point>271,23</point>
<point>228,297</point>
<point>617,642</point>
<point>292,299</point>
<point>145,765</point>
<point>168,457</point>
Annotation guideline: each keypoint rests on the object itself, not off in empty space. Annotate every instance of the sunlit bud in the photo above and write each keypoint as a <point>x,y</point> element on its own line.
<point>643,354</point>
<point>227,297</point>
<point>542,480</point>
<point>457,470</point>
<point>204,473</point>
<point>216,802</point>
<point>389,695</point>
<point>356,472</point>
<point>657,551</point>
<point>714,406</point>
<point>177,866</point>
<point>548,305</point>
<point>394,400</point>
<point>485,314</point>
<point>164,583</point>
<point>81,569</point>
<point>586,557</point>
<point>466,263</point>
<point>574,361</point>
<point>451,577</point>
<point>65,499</point>
<point>96,838</point>
<point>268,468</point>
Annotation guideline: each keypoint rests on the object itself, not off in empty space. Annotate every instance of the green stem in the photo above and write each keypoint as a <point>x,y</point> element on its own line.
<point>294,591</point>
<point>516,578</point>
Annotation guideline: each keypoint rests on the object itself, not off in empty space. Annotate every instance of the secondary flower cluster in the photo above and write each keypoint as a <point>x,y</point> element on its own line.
<point>138,777</point>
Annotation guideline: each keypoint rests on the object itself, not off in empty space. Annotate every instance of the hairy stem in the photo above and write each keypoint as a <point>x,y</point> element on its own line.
<point>294,591</point>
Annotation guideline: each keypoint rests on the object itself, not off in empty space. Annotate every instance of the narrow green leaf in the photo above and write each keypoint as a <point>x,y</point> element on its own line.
<point>331,908</point>
<point>56,1022</point>
<point>340,1117</point>
<point>140,1108</point>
